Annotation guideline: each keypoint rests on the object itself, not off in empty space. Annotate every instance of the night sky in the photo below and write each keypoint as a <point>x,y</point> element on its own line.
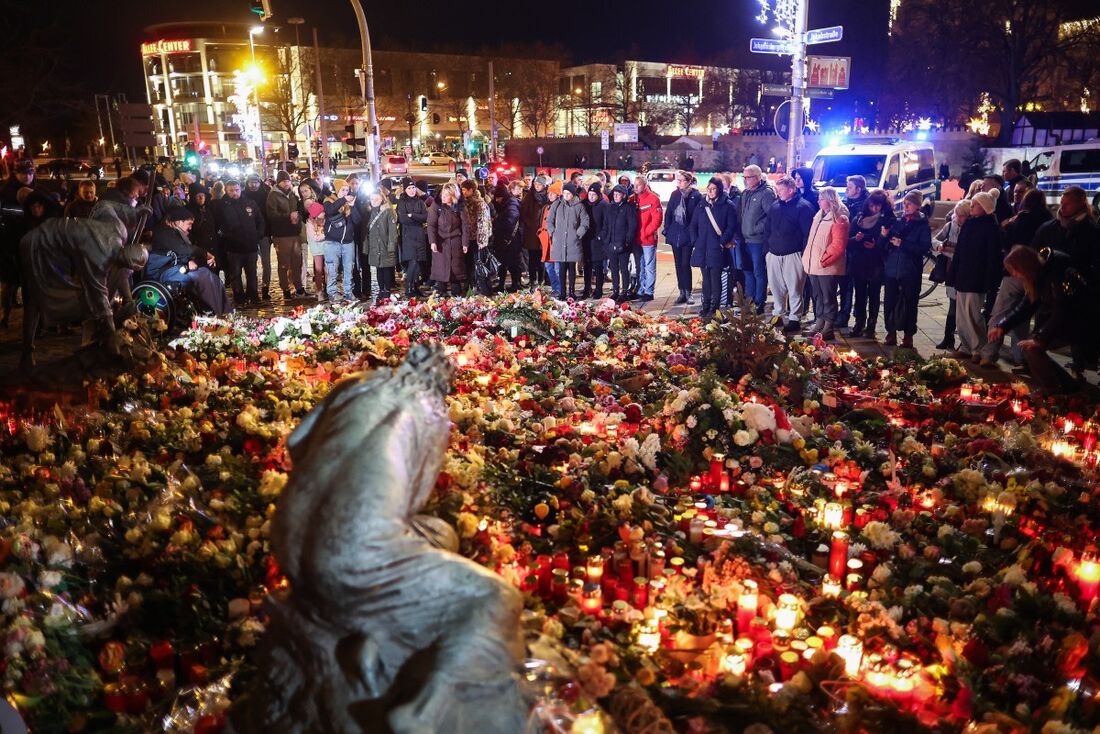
<point>98,43</point>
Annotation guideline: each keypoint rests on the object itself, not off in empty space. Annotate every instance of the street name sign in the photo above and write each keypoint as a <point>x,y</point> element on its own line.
<point>770,46</point>
<point>776,90</point>
<point>825,35</point>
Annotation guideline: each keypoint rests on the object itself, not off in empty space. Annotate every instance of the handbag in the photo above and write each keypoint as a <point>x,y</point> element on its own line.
<point>486,270</point>
<point>939,270</point>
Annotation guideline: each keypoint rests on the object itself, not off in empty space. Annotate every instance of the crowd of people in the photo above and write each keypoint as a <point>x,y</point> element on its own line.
<point>844,256</point>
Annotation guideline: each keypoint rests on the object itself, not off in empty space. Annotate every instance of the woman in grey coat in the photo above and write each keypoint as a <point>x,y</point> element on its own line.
<point>380,243</point>
<point>566,225</point>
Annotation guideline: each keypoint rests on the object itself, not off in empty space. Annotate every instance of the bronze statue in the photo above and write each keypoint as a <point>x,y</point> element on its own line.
<point>382,630</point>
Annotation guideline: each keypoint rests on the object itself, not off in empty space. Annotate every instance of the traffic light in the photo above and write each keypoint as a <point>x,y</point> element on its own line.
<point>292,150</point>
<point>261,8</point>
<point>191,161</point>
<point>423,104</point>
<point>435,118</point>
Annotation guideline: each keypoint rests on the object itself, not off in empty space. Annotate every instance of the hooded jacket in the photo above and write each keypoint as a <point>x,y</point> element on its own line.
<point>620,225</point>
<point>827,245</point>
<point>809,193</point>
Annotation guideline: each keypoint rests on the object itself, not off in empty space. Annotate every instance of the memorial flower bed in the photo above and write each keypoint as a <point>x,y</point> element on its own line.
<point>714,530</point>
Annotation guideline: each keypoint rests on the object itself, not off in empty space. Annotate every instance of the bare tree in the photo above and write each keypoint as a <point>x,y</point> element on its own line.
<point>538,85</point>
<point>282,112</point>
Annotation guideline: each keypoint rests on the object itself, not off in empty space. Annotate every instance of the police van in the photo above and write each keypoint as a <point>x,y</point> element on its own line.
<point>1062,166</point>
<point>898,167</point>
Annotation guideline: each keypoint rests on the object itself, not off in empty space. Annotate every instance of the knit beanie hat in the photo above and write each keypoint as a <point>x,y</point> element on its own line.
<point>914,197</point>
<point>282,176</point>
<point>595,186</point>
<point>986,201</point>
<point>500,191</point>
<point>178,214</point>
<point>620,189</point>
<point>556,187</point>
<point>406,182</point>
<point>542,179</point>
<point>462,172</point>
<point>338,183</point>
<point>316,209</point>
<point>571,188</point>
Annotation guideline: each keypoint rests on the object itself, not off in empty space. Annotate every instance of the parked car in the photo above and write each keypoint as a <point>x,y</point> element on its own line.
<point>1061,166</point>
<point>395,164</point>
<point>70,168</point>
<point>504,168</point>
<point>662,181</point>
<point>436,158</point>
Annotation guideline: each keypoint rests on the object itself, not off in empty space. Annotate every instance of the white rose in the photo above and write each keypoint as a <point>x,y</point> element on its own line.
<point>742,438</point>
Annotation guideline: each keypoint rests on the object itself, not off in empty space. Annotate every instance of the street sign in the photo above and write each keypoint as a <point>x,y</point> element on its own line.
<point>136,124</point>
<point>771,46</point>
<point>824,35</point>
<point>483,173</point>
<point>814,93</point>
<point>776,90</point>
<point>833,72</point>
<point>626,132</point>
<point>782,120</point>
<point>540,150</point>
<point>605,140</point>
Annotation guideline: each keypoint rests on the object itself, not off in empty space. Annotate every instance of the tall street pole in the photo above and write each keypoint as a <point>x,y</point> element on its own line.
<point>321,106</point>
<point>798,83</point>
<point>99,120</point>
<point>492,116</point>
<point>296,22</point>
<point>368,90</point>
<point>259,110</point>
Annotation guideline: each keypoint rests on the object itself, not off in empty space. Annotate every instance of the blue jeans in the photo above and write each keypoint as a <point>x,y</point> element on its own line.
<point>649,270</point>
<point>337,253</point>
<point>756,281</point>
<point>552,275</point>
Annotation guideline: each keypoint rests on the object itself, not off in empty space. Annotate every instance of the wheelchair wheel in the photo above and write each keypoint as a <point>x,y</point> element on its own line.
<point>928,285</point>
<point>168,302</point>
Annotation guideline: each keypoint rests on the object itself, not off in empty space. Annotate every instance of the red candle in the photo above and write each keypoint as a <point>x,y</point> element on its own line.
<point>838,554</point>
<point>1088,576</point>
<point>561,560</point>
<point>746,606</point>
<point>717,469</point>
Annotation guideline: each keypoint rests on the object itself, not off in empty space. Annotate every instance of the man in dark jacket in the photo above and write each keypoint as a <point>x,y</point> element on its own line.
<point>412,217</point>
<point>756,202</point>
<point>804,180</point>
<point>995,185</point>
<point>284,223</point>
<point>677,220</point>
<point>593,242</point>
<point>975,269</point>
<point>785,233</point>
<point>1075,233</point>
<point>256,190</point>
<point>1012,173</point>
<point>507,241</point>
<point>173,258</point>
<point>240,227</point>
<point>204,232</point>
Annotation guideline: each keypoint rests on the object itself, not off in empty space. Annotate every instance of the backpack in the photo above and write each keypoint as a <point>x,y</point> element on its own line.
<point>336,226</point>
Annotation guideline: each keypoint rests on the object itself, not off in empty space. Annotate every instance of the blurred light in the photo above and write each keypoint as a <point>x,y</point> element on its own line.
<point>922,135</point>
<point>257,30</point>
<point>782,32</point>
<point>835,140</point>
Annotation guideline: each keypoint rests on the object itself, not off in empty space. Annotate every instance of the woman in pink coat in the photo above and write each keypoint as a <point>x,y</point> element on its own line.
<point>823,259</point>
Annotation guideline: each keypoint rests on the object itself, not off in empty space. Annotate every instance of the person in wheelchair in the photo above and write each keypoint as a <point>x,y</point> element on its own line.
<point>174,259</point>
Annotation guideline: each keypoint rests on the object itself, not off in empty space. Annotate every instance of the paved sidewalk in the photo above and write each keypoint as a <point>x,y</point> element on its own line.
<point>931,317</point>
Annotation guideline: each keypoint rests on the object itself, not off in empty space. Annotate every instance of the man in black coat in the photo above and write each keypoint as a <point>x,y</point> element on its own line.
<point>507,241</point>
<point>240,227</point>
<point>256,190</point>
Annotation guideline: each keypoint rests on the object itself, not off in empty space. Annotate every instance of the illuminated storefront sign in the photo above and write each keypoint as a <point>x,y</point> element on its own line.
<point>680,71</point>
<point>166,46</point>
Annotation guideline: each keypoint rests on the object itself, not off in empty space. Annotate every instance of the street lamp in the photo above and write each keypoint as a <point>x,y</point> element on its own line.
<point>367,87</point>
<point>302,89</point>
<point>254,31</point>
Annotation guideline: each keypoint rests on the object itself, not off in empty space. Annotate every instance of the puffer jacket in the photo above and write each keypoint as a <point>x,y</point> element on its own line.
<point>676,232</point>
<point>976,266</point>
<point>826,248</point>
<point>380,237</point>
<point>566,225</point>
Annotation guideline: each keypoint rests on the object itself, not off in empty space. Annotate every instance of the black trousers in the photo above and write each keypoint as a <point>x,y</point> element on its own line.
<point>412,275</point>
<point>536,275</point>
<point>596,268</point>
<point>868,297</point>
<point>712,288</point>
<point>567,274</point>
<point>471,258</point>
<point>620,273</point>
<point>239,261</point>
<point>385,281</point>
<point>682,257</point>
<point>900,302</point>
<point>949,326</point>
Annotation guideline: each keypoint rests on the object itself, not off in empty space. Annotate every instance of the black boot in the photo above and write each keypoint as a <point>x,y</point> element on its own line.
<point>682,299</point>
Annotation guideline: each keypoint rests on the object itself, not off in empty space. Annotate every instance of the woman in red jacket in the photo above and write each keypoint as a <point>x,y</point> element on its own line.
<point>824,259</point>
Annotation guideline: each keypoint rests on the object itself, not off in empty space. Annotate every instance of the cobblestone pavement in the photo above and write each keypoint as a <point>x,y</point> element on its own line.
<point>932,314</point>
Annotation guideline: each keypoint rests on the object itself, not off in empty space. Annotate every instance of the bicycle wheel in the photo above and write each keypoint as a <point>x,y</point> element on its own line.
<point>929,263</point>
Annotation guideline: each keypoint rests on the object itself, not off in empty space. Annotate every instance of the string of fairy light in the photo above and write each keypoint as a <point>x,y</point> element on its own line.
<point>780,12</point>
